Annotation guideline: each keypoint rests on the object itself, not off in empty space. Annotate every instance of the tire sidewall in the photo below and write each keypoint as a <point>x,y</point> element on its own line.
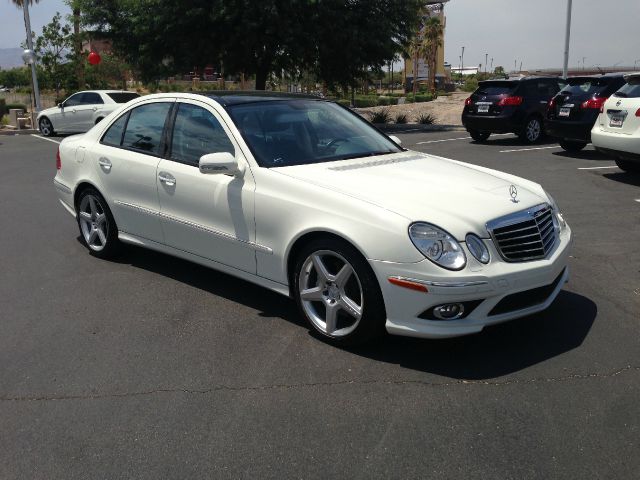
<point>373,317</point>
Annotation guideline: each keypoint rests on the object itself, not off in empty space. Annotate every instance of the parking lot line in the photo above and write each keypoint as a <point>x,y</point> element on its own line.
<point>597,168</point>
<point>43,138</point>
<point>528,149</point>
<point>459,138</point>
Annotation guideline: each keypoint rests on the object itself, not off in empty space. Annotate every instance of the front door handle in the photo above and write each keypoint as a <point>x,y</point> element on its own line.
<point>94,108</point>
<point>166,178</point>
<point>105,163</point>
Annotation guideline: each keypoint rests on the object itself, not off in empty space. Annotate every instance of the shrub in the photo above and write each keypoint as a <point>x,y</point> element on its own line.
<point>11,106</point>
<point>386,100</point>
<point>401,118</point>
<point>380,116</point>
<point>344,102</point>
<point>4,120</point>
<point>362,102</point>
<point>419,97</point>
<point>3,106</point>
<point>470,85</point>
<point>426,119</point>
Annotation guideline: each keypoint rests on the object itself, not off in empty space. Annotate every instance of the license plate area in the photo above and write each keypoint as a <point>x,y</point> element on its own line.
<point>483,107</point>
<point>616,121</point>
<point>565,111</point>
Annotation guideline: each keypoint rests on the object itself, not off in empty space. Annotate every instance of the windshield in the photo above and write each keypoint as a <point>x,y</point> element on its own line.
<point>281,133</point>
<point>590,86</point>
<point>122,97</point>
<point>495,88</point>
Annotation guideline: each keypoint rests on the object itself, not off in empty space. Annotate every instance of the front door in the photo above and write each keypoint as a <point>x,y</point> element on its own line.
<point>209,215</point>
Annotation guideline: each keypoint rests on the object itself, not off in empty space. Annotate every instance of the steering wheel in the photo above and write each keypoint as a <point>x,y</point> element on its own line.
<point>336,140</point>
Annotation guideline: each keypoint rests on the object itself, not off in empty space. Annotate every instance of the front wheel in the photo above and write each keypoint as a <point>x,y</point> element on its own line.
<point>571,146</point>
<point>627,166</point>
<point>532,131</point>
<point>479,136</point>
<point>337,293</point>
<point>97,226</point>
<point>45,126</point>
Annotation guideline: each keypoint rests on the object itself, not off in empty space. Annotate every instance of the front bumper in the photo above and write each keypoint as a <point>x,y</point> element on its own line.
<point>483,286</point>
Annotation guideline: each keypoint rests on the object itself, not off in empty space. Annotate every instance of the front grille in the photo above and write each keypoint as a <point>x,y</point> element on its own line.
<point>526,235</point>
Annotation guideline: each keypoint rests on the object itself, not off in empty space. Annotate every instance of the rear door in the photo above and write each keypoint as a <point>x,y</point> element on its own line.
<point>622,113</point>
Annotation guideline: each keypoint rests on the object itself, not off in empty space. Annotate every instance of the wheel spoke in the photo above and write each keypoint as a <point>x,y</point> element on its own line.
<point>311,294</point>
<point>351,307</point>
<point>343,275</point>
<point>331,319</point>
<point>323,274</point>
<point>92,207</point>
<point>102,237</point>
<point>100,219</point>
<point>92,237</point>
<point>85,216</point>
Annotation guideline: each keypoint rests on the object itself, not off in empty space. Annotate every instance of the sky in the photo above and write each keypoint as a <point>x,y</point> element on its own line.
<point>527,31</point>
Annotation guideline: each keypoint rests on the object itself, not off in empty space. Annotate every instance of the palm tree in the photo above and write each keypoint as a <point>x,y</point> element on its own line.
<point>27,24</point>
<point>432,34</point>
<point>416,51</point>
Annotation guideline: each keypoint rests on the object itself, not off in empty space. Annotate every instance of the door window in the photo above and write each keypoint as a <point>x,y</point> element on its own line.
<point>145,126</point>
<point>113,136</point>
<point>91,98</point>
<point>197,132</point>
<point>73,100</point>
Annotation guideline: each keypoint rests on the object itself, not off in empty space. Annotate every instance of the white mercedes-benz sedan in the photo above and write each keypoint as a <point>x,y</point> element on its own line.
<point>81,111</point>
<point>302,196</point>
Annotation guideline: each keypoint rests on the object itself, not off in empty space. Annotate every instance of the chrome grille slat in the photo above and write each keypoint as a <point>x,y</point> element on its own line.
<point>526,235</point>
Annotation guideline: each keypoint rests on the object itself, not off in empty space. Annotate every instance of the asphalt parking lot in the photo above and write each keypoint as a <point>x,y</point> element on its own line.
<point>152,367</point>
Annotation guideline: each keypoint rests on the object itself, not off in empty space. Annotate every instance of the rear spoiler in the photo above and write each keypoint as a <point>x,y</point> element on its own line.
<point>632,76</point>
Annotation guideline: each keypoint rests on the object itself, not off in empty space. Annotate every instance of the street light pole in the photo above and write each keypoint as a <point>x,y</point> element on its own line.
<point>486,57</point>
<point>462,60</point>
<point>34,76</point>
<point>565,68</point>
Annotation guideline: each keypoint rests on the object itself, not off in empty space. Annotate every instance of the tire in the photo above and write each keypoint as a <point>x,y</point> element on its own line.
<point>46,127</point>
<point>348,289</point>
<point>627,166</point>
<point>572,146</point>
<point>532,131</point>
<point>479,136</point>
<point>98,229</point>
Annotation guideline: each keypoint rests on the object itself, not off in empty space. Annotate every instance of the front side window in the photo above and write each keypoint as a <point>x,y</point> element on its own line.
<point>145,126</point>
<point>298,132</point>
<point>197,132</point>
<point>73,100</point>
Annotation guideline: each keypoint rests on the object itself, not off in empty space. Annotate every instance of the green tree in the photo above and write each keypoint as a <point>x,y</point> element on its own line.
<point>499,71</point>
<point>53,50</point>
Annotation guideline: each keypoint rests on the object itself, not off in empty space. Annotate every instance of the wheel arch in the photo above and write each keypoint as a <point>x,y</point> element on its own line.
<point>81,187</point>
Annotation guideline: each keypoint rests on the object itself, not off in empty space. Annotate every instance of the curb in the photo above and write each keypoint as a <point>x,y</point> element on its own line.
<point>24,131</point>
<point>415,128</point>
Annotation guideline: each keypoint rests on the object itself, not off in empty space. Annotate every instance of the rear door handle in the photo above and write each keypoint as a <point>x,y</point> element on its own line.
<point>105,163</point>
<point>94,108</point>
<point>166,178</point>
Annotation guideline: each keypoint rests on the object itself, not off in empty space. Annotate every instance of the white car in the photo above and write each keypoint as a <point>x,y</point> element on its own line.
<point>617,129</point>
<point>304,197</point>
<point>81,111</point>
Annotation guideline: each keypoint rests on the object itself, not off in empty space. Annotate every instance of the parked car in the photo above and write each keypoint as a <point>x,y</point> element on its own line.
<point>617,130</point>
<point>510,106</point>
<point>573,112</point>
<point>81,111</point>
<point>304,197</point>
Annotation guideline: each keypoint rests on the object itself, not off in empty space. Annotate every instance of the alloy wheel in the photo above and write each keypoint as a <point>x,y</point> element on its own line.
<point>45,127</point>
<point>93,222</point>
<point>331,293</point>
<point>534,128</point>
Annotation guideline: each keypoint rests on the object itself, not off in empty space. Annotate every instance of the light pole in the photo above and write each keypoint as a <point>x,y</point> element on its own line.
<point>486,57</point>
<point>29,56</point>
<point>635,63</point>
<point>565,67</point>
<point>491,69</point>
<point>583,59</point>
<point>462,60</point>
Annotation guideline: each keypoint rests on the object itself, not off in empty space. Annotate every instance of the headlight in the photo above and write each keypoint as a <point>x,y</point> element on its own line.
<point>558,219</point>
<point>438,246</point>
<point>477,248</point>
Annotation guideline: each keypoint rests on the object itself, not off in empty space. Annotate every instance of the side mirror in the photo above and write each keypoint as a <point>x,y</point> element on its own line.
<point>221,162</point>
<point>395,139</point>
<point>60,105</point>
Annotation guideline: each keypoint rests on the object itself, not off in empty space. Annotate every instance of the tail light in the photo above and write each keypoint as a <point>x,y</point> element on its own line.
<point>552,104</point>
<point>510,101</point>
<point>467,102</point>
<point>58,162</point>
<point>596,103</point>
<point>638,112</point>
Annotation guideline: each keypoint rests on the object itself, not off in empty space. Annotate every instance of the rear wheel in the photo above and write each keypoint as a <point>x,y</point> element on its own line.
<point>532,131</point>
<point>627,166</point>
<point>337,293</point>
<point>572,146</point>
<point>45,126</point>
<point>97,226</point>
<point>479,136</point>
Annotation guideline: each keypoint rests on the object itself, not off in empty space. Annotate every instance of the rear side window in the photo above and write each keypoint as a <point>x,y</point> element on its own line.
<point>113,136</point>
<point>630,90</point>
<point>145,126</point>
<point>547,89</point>
<point>495,88</point>
<point>197,132</point>
<point>91,98</point>
<point>122,97</point>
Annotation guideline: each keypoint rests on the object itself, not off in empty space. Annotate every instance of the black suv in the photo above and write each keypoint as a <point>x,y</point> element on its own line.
<point>573,112</point>
<point>510,106</point>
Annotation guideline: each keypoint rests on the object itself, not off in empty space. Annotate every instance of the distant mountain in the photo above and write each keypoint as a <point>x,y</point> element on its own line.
<point>11,57</point>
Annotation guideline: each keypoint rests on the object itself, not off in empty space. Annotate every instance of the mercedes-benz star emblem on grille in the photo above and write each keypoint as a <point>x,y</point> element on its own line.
<point>513,191</point>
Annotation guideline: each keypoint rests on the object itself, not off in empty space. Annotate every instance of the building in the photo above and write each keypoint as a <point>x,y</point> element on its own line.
<point>431,9</point>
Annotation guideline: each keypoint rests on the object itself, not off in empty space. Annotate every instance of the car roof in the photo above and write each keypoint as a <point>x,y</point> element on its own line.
<point>519,79</point>
<point>227,98</point>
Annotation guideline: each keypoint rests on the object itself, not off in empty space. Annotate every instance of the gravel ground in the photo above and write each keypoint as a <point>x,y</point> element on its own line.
<point>446,110</point>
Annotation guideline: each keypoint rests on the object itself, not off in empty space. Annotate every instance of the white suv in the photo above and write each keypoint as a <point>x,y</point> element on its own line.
<point>81,111</point>
<point>617,130</point>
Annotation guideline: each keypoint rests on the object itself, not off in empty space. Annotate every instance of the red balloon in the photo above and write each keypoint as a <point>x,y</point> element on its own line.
<point>94,58</point>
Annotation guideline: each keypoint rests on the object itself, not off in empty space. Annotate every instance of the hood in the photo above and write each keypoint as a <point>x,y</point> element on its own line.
<point>455,196</point>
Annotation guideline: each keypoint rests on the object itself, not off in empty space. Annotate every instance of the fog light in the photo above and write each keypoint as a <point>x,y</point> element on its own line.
<point>448,311</point>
